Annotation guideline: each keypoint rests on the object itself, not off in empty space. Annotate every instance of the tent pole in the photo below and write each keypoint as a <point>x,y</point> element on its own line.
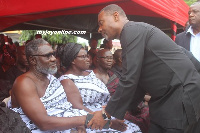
<point>174,30</point>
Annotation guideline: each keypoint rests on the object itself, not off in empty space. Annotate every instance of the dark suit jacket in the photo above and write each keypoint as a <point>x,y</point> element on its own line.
<point>153,63</point>
<point>183,39</point>
<point>192,58</point>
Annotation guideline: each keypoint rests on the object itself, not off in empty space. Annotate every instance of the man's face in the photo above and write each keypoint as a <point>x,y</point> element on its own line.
<point>109,44</point>
<point>194,15</point>
<point>93,44</point>
<point>46,64</point>
<point>105,60</point>
<point>106,26</point>
<point>21,57</point>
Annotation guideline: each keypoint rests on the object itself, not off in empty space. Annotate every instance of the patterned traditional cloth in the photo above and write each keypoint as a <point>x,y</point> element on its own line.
<point>141,118</point>
<point>112,82</point>
<point>95,94</point>
<point>117,70</point>
<point>55,103</point>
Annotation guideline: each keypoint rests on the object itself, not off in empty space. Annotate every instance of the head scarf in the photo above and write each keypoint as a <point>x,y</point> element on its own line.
<point>68,53</point>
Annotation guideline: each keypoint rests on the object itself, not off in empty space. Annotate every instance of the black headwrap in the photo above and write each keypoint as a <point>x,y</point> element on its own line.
<point>68,53</point>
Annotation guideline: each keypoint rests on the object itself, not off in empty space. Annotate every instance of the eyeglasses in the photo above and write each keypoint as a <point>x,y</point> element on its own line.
<point>48,56</point>
<point>107,57</point>
<point>83,56</point>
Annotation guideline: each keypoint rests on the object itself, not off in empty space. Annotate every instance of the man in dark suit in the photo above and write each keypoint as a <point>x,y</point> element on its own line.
<point>190,38</point>
<point>151,63</point>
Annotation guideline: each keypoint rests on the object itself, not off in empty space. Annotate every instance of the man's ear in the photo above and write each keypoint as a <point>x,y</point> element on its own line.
<point>116,16</point>
<point>32,60</point>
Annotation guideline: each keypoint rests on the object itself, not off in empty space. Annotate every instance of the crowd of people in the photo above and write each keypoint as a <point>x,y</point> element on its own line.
<point>151,85</point>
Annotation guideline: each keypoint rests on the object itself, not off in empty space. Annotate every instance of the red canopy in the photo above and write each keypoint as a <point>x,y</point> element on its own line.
<point>82,14</point>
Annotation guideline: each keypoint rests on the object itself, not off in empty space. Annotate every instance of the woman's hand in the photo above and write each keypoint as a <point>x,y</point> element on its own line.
<point>97,122</point>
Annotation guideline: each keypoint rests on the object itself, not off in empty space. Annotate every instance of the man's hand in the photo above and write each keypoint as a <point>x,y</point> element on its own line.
<point>118,125</point>
<point>97,122</point>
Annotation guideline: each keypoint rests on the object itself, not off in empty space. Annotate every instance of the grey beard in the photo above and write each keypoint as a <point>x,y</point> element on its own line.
<point>46,70</point>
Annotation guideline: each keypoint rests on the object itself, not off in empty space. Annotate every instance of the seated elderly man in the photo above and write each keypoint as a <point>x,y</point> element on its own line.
<point>39,97</point>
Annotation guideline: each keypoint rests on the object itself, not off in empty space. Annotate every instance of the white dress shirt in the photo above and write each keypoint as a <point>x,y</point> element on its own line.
<point>195,44</point>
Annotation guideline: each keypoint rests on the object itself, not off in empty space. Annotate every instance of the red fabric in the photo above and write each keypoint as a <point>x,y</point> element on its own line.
<point>13,12</point>
<point>22,7</point>
<point>175,10</point>
<point>113,84</point>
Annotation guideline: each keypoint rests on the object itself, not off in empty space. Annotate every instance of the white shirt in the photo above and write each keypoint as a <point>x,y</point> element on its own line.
<point>195,44</point>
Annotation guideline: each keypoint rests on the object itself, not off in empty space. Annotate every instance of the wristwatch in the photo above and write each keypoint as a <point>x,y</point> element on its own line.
<point>104,115</point>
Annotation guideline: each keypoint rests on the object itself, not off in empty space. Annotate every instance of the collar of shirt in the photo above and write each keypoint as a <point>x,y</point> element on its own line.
<point>190,30</point>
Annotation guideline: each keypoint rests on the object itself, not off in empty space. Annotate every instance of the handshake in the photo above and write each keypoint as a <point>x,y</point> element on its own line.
<point>101,120</point>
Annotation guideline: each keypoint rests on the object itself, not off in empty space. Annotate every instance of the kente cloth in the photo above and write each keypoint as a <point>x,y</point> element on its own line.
<point>117,70</point>
<point>55,103</point>
<point>94,95</point>
<point>93,91</point>
<point>141,118</point>
<point>112,82</point>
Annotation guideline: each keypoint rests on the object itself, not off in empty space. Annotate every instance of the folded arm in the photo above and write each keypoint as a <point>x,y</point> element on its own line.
<point>73,94</point>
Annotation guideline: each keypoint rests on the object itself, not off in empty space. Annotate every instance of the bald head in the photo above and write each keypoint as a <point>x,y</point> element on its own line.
<point>104,59</point>
<point>195,3</point>
<point>102,52</point>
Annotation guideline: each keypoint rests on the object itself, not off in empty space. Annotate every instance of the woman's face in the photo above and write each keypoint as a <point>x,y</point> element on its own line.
<point>82,61</point>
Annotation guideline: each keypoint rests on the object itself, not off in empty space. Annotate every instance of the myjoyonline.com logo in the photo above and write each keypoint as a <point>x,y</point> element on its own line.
<point>44,32</point>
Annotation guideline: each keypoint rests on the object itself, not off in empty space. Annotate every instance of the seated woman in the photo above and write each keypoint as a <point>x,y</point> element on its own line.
<point>83,89</point>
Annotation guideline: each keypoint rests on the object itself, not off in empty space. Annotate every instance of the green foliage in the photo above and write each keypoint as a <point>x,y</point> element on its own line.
<point>52,39</point>
<point>189,2</point>
<point>27,35</point>
<point>99,43</point>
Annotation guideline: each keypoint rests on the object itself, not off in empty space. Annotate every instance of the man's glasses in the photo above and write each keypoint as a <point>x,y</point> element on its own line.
<point>48,56</point>
<point>83,56</point>
<point>107,57</point>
